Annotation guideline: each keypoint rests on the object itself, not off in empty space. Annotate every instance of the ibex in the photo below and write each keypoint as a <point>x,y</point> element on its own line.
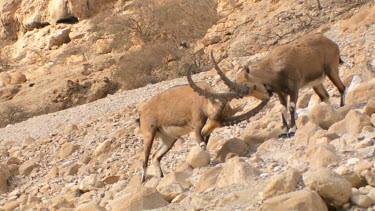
<point>181,109</point>
<point>302,63</point>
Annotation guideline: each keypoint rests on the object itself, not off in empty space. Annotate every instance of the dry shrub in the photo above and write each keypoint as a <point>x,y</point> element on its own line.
<point>167,30</point>
<point>138,68</point>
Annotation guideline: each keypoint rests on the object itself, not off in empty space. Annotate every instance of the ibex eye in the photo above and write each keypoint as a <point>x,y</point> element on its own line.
<point>255,87</point>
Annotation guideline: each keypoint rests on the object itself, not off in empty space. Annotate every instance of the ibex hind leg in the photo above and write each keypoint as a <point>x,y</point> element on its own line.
<point>165,145</point>
<point>333,75</point>
<point>321,91</point>
<point>148,139</point>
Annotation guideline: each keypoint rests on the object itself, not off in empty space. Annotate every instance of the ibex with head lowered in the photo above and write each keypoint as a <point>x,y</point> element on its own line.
<point>304,62</point>
<point>179,110</point>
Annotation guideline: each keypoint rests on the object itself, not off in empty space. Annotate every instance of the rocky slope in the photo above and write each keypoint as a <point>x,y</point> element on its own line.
<point>88,157</point>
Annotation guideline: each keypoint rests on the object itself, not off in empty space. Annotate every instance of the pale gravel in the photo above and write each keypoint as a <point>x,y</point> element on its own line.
<point>44,125</point>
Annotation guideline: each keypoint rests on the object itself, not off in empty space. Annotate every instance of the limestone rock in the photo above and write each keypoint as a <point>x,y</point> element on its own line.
<point>4,179</point>
<point>369,177</point>
<point>5,79</point>
<point>322,155</point>
<point>362,165</point>
<point>370,107</point>
<point>302,200</point>
<point>57,9</point>
<point>198,157</point>
<point>338,128</point>
<point>59,38</point>
<point>208,179</point>
<point>70,128</point>
<point>18,78</point>
<point>27,167</point>
<point>111,179</point>
<point>143,199</point>
<point>236,171</point>
<point>90,183</point>
<point>54,172</point>
<point>332,187</point>
<point>324,115</point>
<point>355,121</point>
<point>371,194</point>
<point>103,147</point>
<point>235,146</point>
<point>73,169</point>
<point>90,206</point>
<point>257,133</point>
<point>171,191</point>
<point>104,46</point>
<point>215,143</point>
<point>10,206</point>
<point>13,160</point>
<point>304,133</point>
<point>282,183</point>
<point>354,178</point>
<point>361,200</point>
<point>67,149</point>
<point>362,93</point>
<point>175,178</point>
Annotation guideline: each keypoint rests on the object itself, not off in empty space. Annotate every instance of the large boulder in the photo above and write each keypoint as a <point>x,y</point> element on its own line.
<point>362,93</point>
<point>332,187</point>
<point>144,198</point>
<point>90,183</point>
<point>67,149</point>
<point>198,157</point>
<point>322,155</point>
<point>208,179</point>
<point>282,183</point>
<point>302,200</point>
<point>353,123</point>
<point>236,171</point>
<point>324,115</point>
<point>175,178</point>
<point>232,146</point>
<point>27,167</point>
<point>305,132</point>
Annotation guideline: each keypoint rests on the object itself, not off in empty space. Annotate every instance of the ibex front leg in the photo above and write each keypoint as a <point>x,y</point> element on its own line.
<point>292,110</point>
<point>284,115</point>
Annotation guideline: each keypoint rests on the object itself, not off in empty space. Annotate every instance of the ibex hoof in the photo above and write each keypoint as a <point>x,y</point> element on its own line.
<point>283,135</point>
<point>203,146</point>
<point>291,134</point>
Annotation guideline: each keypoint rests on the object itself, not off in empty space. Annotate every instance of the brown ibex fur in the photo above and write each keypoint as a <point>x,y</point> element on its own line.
<point>304,62</point>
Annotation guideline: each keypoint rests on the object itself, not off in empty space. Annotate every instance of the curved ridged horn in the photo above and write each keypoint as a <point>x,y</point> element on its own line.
<point>219,96</point>
<point>228,121</point>
<point>219,112</point>
<point>243,89</point>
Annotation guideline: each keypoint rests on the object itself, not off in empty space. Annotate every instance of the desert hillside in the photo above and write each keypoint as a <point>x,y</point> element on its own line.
<point>74,74</point>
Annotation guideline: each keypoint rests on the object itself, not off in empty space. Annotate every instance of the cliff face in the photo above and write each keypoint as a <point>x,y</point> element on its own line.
<point>89,156</point>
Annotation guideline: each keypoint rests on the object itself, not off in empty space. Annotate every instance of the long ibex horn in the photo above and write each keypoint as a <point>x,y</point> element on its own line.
<point>219,96</point>
<point>243,89</point>
<point>228,121</point>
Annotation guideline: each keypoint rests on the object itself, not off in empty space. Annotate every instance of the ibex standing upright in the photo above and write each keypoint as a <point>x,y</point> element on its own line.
<point>302,63</point>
